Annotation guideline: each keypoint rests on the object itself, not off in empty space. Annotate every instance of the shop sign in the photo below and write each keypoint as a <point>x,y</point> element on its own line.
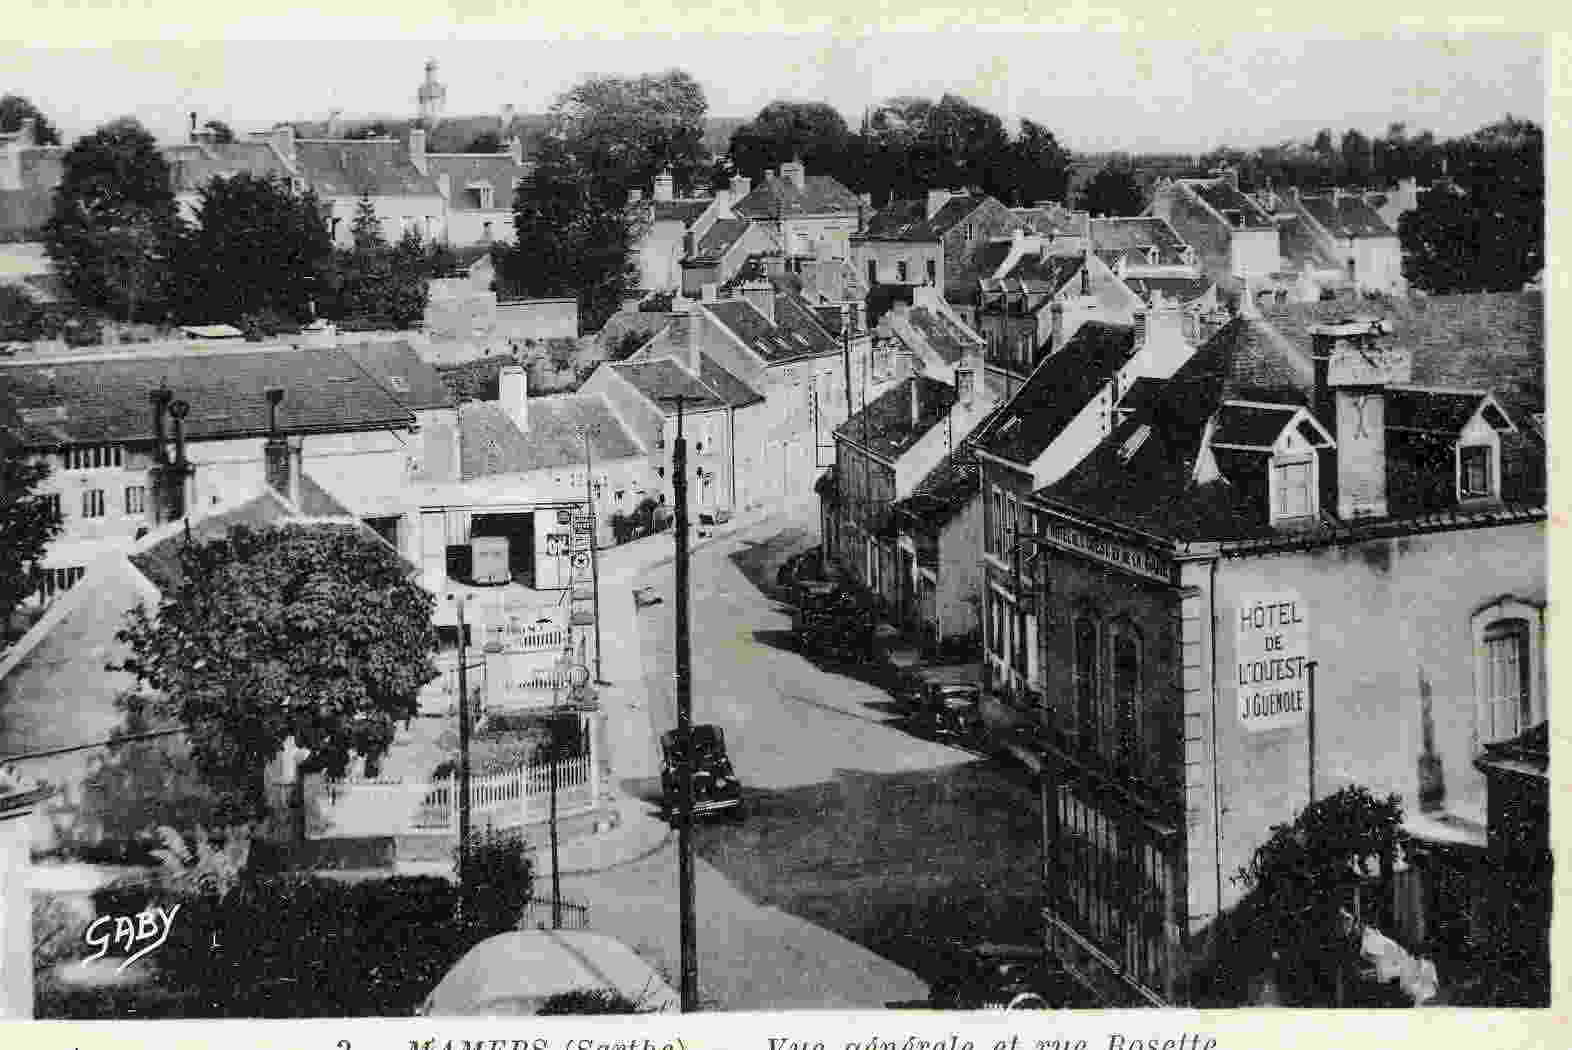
<point>1272,652</point>
<point>1123,556</point>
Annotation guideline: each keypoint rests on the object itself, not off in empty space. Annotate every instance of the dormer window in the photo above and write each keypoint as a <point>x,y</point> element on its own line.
<point>1476,472</point>
<point>1152,256</point>
<point>1293,489</point>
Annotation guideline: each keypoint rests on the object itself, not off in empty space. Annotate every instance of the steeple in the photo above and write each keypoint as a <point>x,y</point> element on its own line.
<point>433,95</point>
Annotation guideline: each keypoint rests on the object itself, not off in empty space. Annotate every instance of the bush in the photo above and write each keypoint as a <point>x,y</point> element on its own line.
<point>591,1001</point>
<point>501,879</point>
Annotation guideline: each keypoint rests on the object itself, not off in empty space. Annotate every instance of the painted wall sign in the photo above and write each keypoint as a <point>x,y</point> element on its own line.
<point>1273,647</point>
<point>1122,556</point>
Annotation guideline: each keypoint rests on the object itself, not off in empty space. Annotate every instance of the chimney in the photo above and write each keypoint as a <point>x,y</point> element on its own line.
<point>762,295</point>
<point>687,245</point>
<point>916,402</point>
<point>417,148</point>
<point>936,200</point>
<point>1352,371</point>
<point>275,452</point>
<point>665,186</point>
<point>741,186</point>
<point>192,134</point>
<point>795,173</point>
<point>965,382</point>
<point>176,473</point>
<point>513,392</point>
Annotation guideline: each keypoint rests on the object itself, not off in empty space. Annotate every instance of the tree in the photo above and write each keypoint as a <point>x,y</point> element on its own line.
<point>1112,192</point>
<point>222,133</point>
<point>1356,154</point>
<point>28,523</point>
<point>623,131</point>
<point>1041,167</point>
<point>114,225</point>
<point>256,248</point>
<point>814,132</point>
<point>16,108</point>
<point>320,635</point>
<point>572,237</point>
<point>386,284</point>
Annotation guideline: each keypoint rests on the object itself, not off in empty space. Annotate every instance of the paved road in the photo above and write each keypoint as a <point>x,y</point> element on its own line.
<point>861,840</point>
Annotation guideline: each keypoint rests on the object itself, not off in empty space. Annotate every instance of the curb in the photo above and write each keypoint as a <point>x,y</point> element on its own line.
<point>619,863</point>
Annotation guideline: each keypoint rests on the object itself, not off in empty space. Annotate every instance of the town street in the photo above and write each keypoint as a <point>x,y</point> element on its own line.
<point>862,843</point>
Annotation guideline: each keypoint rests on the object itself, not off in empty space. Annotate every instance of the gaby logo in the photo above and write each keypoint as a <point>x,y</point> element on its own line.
<point>148,929</point>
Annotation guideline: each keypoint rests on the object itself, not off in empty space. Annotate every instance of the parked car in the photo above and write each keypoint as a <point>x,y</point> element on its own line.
<point>809,566</point>
<point>948,699</point>
<point>514,974</point>
<point>715,786</point>
<point>1003,977</point>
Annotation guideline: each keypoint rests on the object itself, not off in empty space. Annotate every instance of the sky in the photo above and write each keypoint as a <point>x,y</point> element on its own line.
<point>1097,90</point>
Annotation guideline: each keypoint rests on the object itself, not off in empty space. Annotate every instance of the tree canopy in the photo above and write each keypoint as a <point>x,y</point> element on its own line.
<point>16,108</point>
<point>304,632</point>
<point>783,131</point>
<point>382,283</point>
<point>28,522</point>
<point>1112,192</point>
<point>623,131</point>
<point>114,223</point>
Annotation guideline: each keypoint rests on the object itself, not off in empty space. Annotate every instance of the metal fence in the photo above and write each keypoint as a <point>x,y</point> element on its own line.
<point>537,915</point>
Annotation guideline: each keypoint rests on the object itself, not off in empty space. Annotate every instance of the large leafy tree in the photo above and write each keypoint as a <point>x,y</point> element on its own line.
<point>384,283</point>
<point>316,634</point>
<point>114,224</point>
<point>1040,167</point>
<point>255,249</point>
<point>1112,192</point>
<point>623,131</point>
<point>815,132</point>
<point>28,522</point>
<point>16,108</point>
<point>573,236</point>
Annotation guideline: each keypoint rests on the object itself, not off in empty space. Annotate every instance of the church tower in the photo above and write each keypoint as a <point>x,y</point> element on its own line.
<point>433,95</point>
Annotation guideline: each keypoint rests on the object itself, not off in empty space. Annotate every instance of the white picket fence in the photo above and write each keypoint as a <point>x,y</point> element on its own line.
<point>516,798</point>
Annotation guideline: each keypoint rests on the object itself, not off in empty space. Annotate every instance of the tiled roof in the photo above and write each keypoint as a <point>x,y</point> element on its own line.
<point>946,489</point>
<point>908,220</point>
<point>1249,359</point>
<point>1251,425</point>
<point>885,426</point>
<point>663,378</point>
<point>1174,289</point>
<point>732,390</point>
<point>795,317</point>
<point>1433,411</point>
<point>719,238</point>
<point>820,195</point>
<point>496,170</point>
<point>619,324</point>
<point>1225,198</point>
<point>1051,219</point>
<point>407,375</point>
<point>85,400</point>
<point>347,169</point>
<point>1058,389</point>
<point>1037,275</point>
<point>935,331</point>
<point>194,165</point>
<point>993,255</point>
<point>795,333</point>
<point>492,444</point>
<point>686,212</point>
<point>1139,235</point>
<point>1348,216</point>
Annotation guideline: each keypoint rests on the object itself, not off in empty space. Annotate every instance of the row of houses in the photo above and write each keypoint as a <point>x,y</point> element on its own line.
<point>1171,537</point>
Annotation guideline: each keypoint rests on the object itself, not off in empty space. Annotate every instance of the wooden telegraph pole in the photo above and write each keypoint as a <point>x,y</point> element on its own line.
<point>689,990</point>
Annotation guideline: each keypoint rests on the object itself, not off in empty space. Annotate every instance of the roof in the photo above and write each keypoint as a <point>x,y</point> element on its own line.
<point>513,973</point>
<point>406,375</point>
<point>796,331</point>
<point>732,390</point>
<point>1346,216</point>
<point>1052,218</point>
<point>491,444</point>
<point>496,170</point>
<point>686,211</point>
<point>1223,196</point>
<point>718,239</point>
<point>1058,389</point>
<point>885,425</point>
<point>933,329</point>
<point>381,167</point>
<point>1298,246</point>
<point>665,378</point>
<point>946,489</point>
<point>1139,235</point>
<point>1432,411</point>
<point>1037,274</point>
<point>1253,425</point>
<point>194,165</point>
<point>819,195</point>
<point>908,220</point>
<point>1175,289</point>
<point>97,399</point>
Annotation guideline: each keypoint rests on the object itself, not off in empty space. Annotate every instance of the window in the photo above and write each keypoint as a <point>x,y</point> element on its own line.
<point>93,503</point>
<point>1293,489</point>
<point>136,499</point>
<point>1475,478</point>
<point>94,457</point>
<point>1127,698</point>
<point>901,271</point>
<point>1084,638</point>
<point>933,271</point>
<point>963,383</point>
<point>1508,644</point>
<point>485,231</point>
<point>52,582</point>
<point>52,502</point>
<point>873,272</point>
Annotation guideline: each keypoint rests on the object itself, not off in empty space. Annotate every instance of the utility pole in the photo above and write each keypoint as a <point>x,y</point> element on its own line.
<point>463,769</point>
<point>594,551</point>
<point>689,991</point>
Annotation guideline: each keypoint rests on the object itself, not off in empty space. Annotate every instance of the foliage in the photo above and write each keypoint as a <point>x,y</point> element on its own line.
<point>1112,192</point>
<point>58,931</point>
<point>16,108</point>
<point>1304,877</point>
<point>320,635</point>
<point>256,248</point>
<point>222,133</point>
<point>623,131</point>
<point>28,522</point>
<point>813,132</point>
<point>500,879</point>
<point>592,1001</point>
<point>574,236</point>
<point>475,380</point>
<point>199,867</point>
<point>114,226</point>
<point>375,279</point>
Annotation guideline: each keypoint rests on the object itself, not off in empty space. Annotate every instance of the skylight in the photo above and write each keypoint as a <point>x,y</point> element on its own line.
<point>1133,443</point>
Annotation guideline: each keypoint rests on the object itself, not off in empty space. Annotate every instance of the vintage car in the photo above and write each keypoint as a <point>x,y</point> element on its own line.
<point>715,786</point>
<point>947,700</point>
<point>1002,977</point>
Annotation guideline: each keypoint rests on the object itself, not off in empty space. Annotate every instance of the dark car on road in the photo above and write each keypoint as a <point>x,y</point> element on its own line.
<point>1004,977</point>
<point>946,699</point>
<point>808,567</point>
<point>715,786</point>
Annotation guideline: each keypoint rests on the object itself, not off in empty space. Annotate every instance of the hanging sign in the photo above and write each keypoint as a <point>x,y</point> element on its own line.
<point>1271,654</point>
